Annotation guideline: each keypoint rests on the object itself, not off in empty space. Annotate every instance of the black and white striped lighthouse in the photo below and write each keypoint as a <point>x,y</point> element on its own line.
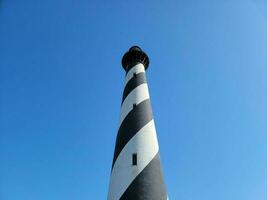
<point>136,169</point>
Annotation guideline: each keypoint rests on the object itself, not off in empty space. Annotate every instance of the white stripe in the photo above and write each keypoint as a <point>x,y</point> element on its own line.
<point>136,69</point>
<point>136,96</point>
<point>145,144</point>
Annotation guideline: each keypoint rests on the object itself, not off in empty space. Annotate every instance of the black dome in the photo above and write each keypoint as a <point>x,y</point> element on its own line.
<point>134,56</point>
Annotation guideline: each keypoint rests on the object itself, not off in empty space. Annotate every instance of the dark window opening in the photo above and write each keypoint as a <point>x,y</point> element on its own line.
<point>134,74</point>
<point>134,105</point>
<point>134,159</point>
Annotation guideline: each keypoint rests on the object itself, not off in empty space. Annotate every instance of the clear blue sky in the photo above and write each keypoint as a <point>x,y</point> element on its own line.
<point>61,84</point>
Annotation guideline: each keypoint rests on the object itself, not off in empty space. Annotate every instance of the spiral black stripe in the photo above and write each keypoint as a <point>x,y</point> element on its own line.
<point>134,82</point>
<point>148,185</point>
<point>137,118</point>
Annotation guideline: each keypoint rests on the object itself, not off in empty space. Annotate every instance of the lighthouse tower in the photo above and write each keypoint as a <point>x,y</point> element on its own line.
<point>136,169</point>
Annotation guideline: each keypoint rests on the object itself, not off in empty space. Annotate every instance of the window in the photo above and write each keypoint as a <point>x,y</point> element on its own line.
<point>134,105</point>
<point>134,159</point>
<point>134,74</point>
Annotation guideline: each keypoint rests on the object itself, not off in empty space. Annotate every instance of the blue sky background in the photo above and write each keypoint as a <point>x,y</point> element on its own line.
<point>61,84</point>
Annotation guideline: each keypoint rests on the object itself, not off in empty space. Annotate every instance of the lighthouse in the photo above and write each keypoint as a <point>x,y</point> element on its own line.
<point>136,172</point>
